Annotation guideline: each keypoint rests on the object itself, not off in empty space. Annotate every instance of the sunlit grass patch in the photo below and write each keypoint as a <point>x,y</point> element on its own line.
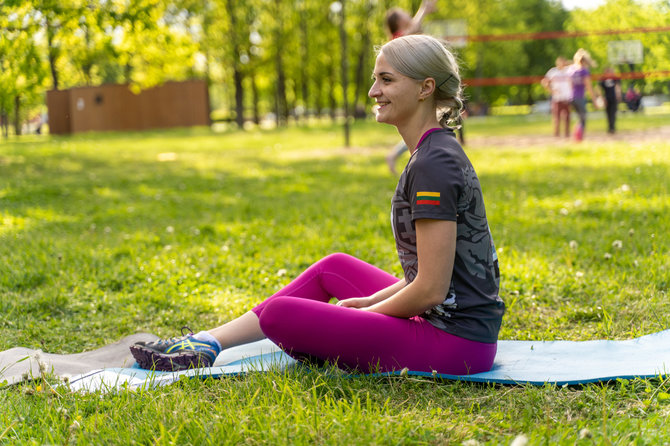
<point>103,235</point>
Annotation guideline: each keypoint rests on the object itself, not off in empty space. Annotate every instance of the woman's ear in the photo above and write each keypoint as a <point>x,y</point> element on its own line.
<point>427,88</point>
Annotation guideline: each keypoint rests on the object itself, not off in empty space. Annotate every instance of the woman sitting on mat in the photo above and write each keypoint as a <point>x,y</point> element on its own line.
<point>445,314</point>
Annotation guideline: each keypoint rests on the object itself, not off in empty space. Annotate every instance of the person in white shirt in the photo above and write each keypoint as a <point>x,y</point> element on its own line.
<point>558,82</point>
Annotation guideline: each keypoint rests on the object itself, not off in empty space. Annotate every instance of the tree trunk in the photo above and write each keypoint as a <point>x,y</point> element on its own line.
<point>276,108</point>
<point>292,104</point>
<point>52,52</point>
<point>237,72</point>
<point>344,63</point>
<point>318,108</point>
<point>361,67</point>
<point>17,115</point>
<point>282,107</point>
<point>255,99</point>
<point>239,97</point>
<point>87,66</point>
<point>4,123</point>
<point>331,97</point>
<point>304,75</point>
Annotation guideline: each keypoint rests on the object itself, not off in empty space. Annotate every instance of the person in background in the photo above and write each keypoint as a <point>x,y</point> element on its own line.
<point>633,98</point>
<point>611,86</point>
<point>400,23</point>
<point>580,75</point>
<point>558,82</point>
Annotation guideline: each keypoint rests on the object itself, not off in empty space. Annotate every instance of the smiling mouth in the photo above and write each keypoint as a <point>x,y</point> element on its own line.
<point>378,106</point>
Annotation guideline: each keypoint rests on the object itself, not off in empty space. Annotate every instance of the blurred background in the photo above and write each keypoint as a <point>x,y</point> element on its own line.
<point>277,62</point>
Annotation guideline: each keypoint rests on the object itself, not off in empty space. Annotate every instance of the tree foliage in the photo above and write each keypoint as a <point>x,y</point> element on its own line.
<point>283,56</point>
<point>22,69</point>
<point>629,14</point>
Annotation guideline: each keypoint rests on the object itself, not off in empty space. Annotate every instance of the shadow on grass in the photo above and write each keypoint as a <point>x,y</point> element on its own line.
<point>117,243</point>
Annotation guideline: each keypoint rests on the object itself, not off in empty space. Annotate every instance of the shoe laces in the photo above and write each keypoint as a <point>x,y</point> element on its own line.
<point>176,338</point>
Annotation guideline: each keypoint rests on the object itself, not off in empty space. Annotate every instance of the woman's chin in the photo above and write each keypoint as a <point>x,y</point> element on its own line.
<point>380,117</point>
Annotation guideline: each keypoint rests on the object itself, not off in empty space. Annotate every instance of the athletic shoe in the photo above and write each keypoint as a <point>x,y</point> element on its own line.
<point>175,354</point>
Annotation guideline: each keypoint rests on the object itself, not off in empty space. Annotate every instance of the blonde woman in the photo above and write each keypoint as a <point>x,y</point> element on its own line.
<point>580,75</point>
<point>445,313</point>
<point>399,23</point>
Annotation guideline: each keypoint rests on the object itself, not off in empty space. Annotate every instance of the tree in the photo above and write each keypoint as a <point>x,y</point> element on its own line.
<point>22,73</point>
<point>344,65</point>
<point>628,14</point>
<point>234,37</point>
<point>281,55</point>
<point>363,35</point>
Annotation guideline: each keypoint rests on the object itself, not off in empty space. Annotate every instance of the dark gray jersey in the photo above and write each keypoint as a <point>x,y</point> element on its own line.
<point>439,182</point>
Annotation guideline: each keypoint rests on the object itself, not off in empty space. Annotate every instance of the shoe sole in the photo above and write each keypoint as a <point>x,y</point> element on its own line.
<point>174,362</point>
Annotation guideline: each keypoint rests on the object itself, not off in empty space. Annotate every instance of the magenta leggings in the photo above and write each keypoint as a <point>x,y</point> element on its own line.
<point>300,320</point>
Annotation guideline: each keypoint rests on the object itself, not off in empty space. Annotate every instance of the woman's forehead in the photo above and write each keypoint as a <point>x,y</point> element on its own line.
<point>382,65</point>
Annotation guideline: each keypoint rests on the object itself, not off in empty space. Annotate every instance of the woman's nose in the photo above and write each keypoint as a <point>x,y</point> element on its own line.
<point>374,90</point>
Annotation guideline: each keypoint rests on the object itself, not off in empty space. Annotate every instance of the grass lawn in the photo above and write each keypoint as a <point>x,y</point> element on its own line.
<point>104,235</point>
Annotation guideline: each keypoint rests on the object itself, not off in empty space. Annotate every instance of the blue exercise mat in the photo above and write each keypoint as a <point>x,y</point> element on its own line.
<point>517,362</point>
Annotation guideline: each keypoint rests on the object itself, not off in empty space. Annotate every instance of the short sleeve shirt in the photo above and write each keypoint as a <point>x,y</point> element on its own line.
<point>560,84</point>
<point>608,85</point>
<point>578,76</point>
<point>439,182</point>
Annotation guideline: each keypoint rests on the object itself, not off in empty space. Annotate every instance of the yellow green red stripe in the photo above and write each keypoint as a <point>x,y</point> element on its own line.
<point>427,197</point>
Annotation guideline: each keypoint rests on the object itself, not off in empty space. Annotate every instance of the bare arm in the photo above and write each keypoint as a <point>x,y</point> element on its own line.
<point>589,88</point>
<point>546,83</point>
<point>361,302</point>
<point>427,6</point>
<point>436,249</point>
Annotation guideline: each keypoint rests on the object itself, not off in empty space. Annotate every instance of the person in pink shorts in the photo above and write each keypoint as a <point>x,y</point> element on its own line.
<point>445,313</point>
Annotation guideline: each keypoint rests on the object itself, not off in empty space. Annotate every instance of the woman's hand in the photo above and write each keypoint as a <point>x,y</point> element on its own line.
<point>364,303</point>
<point>436,250</point>
<point>355,302</point>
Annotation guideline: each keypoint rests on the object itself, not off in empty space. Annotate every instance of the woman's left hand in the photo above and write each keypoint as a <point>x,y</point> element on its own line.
<point>355,302</point>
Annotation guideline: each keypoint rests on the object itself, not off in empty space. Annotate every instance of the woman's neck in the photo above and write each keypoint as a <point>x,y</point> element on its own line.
<point>413,129</point>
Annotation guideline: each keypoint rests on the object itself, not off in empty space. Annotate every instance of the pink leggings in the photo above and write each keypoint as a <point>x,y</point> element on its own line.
<point>300,320</point>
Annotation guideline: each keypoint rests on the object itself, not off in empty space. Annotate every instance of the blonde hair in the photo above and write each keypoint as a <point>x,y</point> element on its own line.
<point>419,57</point>
<point>582,57</point>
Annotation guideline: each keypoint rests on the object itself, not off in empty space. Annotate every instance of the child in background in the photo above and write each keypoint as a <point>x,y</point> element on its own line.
<point>558,82</point>
<point>580,75</point>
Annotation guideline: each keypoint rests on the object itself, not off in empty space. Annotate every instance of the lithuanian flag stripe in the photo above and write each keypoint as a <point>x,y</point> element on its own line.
<point>425,197</point>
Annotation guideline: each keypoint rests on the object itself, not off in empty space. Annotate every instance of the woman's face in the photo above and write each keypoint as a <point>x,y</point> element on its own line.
<point>396,95</point>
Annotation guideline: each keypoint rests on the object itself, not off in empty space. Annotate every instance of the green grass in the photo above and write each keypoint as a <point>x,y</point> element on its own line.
<point>103,235</point>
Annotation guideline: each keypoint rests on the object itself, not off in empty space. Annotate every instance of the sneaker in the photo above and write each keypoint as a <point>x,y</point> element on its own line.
<point>171,355</point>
